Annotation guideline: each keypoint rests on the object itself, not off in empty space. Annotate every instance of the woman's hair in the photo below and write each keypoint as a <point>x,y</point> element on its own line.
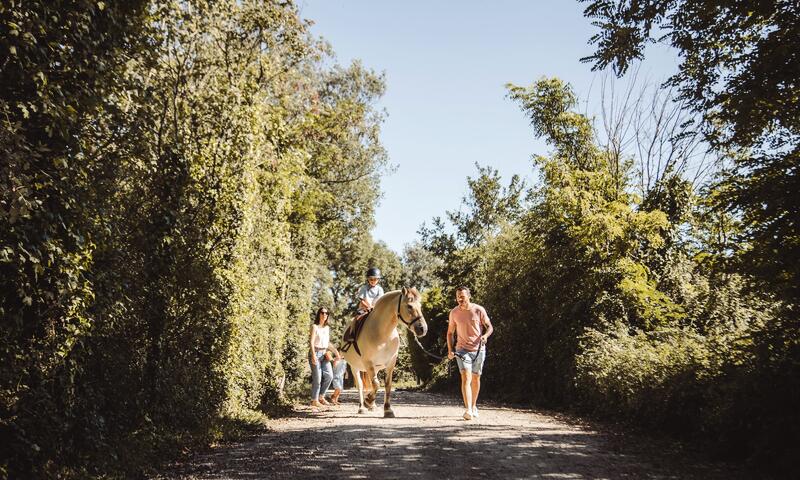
<point>319,314</point>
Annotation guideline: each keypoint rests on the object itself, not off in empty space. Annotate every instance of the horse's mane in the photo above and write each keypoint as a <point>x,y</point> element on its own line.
<point>412,295</point>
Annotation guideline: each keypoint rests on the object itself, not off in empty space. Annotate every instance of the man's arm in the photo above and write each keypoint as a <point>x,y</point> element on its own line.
<point>487,324</point>
<point>451,330</point>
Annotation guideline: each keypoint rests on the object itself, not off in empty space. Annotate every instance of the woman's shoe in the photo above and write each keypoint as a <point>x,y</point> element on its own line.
<point>324,402</point>
<point>315,404</point>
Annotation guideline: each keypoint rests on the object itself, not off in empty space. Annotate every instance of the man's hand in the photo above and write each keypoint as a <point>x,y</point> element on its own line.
<point>483,339</point>
<point>450,355</point>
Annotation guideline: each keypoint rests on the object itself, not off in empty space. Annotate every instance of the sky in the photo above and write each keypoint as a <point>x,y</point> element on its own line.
<point>446,65</point>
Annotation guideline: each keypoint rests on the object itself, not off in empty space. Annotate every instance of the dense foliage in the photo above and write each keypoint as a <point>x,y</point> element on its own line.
<point>739,71</point>
<point>183,182</point>
<point>619,303</point>
<point>172,176</point>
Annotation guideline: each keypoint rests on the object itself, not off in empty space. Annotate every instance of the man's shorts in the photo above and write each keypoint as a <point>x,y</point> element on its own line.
<point>472,361</point>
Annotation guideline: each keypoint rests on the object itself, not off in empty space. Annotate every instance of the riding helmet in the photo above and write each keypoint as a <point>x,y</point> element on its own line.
<point>373,272</point>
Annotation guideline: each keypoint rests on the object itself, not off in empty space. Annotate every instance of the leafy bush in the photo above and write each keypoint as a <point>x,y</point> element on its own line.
<point>172,176</point>
<point>622,306</point>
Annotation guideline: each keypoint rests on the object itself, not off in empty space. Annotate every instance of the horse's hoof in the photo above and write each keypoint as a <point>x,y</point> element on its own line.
<point>388,414</point>
<point>361,411</point>
<point>371,407</point>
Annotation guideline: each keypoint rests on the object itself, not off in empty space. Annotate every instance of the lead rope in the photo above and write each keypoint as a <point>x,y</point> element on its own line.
<point>437,357</point>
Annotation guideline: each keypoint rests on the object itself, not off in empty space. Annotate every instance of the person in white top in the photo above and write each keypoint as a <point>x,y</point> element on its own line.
<point>321,371</point>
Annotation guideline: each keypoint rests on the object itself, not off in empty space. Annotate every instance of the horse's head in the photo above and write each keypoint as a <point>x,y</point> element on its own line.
<point>409,311</point>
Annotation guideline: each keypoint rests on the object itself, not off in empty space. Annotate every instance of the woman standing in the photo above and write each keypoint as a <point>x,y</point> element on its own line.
<point>321,371</point>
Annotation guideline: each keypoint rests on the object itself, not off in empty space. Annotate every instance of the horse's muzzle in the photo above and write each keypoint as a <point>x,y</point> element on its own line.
<point>420,328</point>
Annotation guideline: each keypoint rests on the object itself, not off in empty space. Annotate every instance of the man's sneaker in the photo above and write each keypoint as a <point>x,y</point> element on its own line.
<point>475,412</point>
<point>467,415</point>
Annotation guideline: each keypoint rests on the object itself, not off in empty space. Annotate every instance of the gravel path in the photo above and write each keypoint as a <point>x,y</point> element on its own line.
<point>430,440</point>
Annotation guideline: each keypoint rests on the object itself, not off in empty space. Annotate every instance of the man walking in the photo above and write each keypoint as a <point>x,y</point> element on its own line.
<point>467,321</point>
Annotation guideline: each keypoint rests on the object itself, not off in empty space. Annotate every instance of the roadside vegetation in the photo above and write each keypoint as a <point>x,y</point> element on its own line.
<point>183,183</point>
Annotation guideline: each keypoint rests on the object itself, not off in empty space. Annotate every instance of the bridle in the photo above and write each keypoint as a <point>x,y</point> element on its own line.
<point>400,316</point>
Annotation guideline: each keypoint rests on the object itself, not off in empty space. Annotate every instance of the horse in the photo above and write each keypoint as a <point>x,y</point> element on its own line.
<point>378,342</point>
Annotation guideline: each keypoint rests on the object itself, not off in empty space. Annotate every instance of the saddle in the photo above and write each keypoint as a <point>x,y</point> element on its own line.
<point>350,337</point>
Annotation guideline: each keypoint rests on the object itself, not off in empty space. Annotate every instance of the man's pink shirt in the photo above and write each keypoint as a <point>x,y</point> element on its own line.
<point>468,326</point>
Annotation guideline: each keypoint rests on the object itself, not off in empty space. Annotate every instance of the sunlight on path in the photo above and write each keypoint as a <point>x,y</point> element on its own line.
<point>429,440</point>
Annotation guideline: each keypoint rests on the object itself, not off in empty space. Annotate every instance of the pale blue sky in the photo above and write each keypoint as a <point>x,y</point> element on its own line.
<point>446,65</point>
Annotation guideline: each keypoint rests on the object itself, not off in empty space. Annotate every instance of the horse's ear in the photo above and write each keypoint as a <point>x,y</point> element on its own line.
<point>405,291</point>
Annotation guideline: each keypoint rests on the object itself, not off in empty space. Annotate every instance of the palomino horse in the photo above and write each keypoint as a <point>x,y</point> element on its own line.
<point>378,342</point>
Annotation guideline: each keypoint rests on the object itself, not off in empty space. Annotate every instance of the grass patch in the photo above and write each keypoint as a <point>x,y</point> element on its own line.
<point>236,426</point>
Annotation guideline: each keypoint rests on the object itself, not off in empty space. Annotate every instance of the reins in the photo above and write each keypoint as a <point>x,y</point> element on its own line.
<point>408,324</point>
<point>437,357</point>
<point>473,356</point>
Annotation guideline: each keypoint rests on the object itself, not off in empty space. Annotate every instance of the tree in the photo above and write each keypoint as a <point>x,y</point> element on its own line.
<point>172,175</point>
<point>486,208</point>
<point>458,245</point>
<point>574,259</point>
<point>419,267</point>
<point>739,72</point>
<point>60,65</point>
<point>643,121</point>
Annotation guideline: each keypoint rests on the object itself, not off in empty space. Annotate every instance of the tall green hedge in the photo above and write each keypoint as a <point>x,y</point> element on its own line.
<point>171,181</point>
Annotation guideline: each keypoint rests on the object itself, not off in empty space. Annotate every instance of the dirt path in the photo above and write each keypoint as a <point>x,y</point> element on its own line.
<point>429,440</point>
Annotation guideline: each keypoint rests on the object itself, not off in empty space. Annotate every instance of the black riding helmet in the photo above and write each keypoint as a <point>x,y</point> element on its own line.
<point>373,272</point>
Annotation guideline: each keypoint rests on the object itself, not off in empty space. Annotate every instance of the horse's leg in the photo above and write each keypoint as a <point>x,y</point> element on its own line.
<point>387,393</point>
<point>360,384</point>
<point>373,383</point>
<point>366,381</point>
<point>362,375</point>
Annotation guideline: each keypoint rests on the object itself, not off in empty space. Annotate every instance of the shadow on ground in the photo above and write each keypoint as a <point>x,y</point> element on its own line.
<point>429,441</point>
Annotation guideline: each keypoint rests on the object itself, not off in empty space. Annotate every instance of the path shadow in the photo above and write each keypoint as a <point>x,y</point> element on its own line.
<point>435,448</point>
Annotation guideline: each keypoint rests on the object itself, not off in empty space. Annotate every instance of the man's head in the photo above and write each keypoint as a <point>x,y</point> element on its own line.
<point>462,296</point>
